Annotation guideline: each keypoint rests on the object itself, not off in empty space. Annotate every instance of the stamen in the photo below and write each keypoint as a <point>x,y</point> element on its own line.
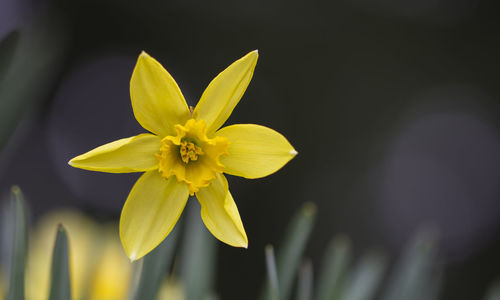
<point>189,151</point>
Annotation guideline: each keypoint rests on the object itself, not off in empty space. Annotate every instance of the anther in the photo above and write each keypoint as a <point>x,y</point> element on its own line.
<point>189,151</point>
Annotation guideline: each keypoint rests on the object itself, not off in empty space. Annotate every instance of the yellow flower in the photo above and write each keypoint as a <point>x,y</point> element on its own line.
<point>99,269</point>
<point>2,288</point>
<point>171,289</point>
<point>186,154</point>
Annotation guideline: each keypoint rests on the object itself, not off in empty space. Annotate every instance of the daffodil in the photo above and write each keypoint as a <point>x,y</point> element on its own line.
<point>2,288</point>
<point>171,289</point>
<point>185,154</point>
<point>99,269</point>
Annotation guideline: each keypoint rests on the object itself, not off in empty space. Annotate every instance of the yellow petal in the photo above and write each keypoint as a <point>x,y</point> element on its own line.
<point>220,214</point>
<point>225,91</point>
<point>156,99</point>
<point>133,154</point>
<point>152,208</point>
<point>255,151</point>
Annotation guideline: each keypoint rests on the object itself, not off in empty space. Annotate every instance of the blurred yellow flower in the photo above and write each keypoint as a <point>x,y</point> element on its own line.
<point>99,269</point>
<point>2,285</point>
<point>186,154</point>
<point>171,289</point>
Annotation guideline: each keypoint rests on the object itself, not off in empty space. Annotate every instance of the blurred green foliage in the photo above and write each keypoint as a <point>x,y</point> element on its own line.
<point>197,257</point>
<point>30,62</point>
<point>19,246</point>
<point>153,268</point>
<point>290,254</point>
<point>7,49</point>
<point>416,275</point>
<point>60,288</point>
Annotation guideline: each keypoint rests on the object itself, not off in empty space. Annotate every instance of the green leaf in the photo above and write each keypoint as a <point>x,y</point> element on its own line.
<point>493,292</point>
<point>272,273</point>
<point>20,245</point>
<point>7,49</point>
<point>7,220</point>
<point>197,265</point>
<point>304,290</point>
<point>290,252</point>
<point>60,288</point>
<point>416,270</point>
<point>155,266</point>
<point>32,72</point>
<point>335,265</point>
<point>433,284</point>
<point>364,280</point>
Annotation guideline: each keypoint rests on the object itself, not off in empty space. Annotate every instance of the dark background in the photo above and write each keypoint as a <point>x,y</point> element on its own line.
<point>392,105</point>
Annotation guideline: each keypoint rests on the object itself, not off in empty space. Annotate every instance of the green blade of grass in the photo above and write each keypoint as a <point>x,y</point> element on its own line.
<point>272,273</point>
<point>493,292</point>
<point>155,266</point>
<point>432,288</point>
<point>7,232</point>
<point>33,71</point>
<point>335,265</point>
<point>290,252</point>
<point>304,290</point>
<point>60,288</point>
<point>20,245</point>
<point>364,280</point>
<point>415,270</point>
<point>197,265</point>
<point>7,49</point>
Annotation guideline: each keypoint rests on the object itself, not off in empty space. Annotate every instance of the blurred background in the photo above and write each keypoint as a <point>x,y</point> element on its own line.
<point>393,106</point>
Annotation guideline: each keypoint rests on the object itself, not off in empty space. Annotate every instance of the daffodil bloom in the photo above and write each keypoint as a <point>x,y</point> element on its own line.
<point>186,154</point>
<point>98,268</point>
<point>2,288</point>
<point>172,289</point>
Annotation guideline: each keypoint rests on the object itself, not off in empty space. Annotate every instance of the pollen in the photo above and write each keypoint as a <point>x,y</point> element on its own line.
<point>189,151</point>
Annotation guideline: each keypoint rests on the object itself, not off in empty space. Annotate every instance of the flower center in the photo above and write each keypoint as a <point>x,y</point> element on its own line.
<point>189,151</point>
<point>191,156</point>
